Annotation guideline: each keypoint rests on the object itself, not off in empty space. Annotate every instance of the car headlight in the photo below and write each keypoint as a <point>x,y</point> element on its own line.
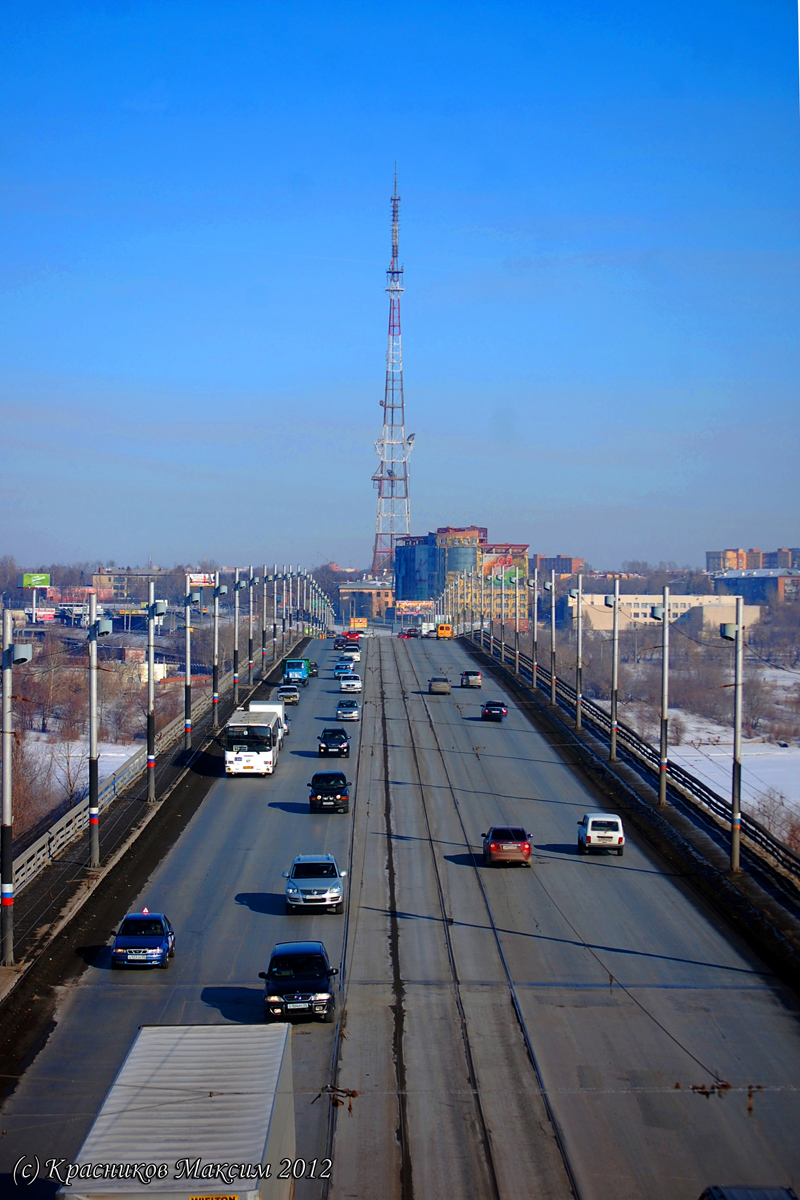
<point>274,999</point>
<point>116,951</point>
<point>158,950</point>
<point>338,797</point>
<point>292,889</point>
<point>321,996</point>
<point>336,890</point>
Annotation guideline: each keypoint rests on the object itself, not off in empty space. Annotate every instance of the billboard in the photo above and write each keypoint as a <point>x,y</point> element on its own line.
<point>31,580</point>
<point>504,564</point>
<point>203,579</point>
<point>358,622</point>
<point>414,607</point>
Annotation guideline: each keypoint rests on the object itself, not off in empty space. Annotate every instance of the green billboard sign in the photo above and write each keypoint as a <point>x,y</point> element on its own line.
<point>31,580</point>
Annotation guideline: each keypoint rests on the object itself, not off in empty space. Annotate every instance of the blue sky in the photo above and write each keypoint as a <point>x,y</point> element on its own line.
<point>600,228</point>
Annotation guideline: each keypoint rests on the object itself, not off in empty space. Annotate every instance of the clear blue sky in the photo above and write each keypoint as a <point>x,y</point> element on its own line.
<point>600,230</point>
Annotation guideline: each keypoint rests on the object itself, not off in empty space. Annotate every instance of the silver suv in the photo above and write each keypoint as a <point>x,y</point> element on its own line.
<point>314,881</point>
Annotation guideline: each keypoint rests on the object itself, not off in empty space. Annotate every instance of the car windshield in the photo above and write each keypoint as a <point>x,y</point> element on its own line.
<point>314,871</point>
<point>438,679</point>
<point>333,735</point>
<point>348,705</point>
<point>503,833</point>
<point>605,826</point>
<point>141,927</point>
<point>332,780</point>
<point>297,966</point>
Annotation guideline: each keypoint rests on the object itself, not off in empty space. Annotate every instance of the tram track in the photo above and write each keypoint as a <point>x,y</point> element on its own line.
<point>486,1139</point>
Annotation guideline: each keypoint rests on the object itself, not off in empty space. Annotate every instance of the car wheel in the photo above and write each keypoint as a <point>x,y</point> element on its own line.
<point>619,852</point>
<point>581,848</point>
<point>346,809</point>
<point>289,908</point>
<point>115,966</point>
<point>164,964</point>
<point>338,909</point>
<point>268,1017</point>
<point>486,862</point>
<point>330,1016</point>
<point>172,952</point>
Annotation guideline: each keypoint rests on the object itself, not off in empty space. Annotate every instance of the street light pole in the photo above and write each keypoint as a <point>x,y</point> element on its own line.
<point>483,609</point>
<point>283,615</point>
<point>535,634</point>
<point>577,594</point>
<point>187,611</point>
<point>12,655</point>
<point>236,582</point>
<point>94,814</point>
<point>551,587</point>
<point>516,621</point>
<point>251,581</point>
<point>662,613</point>
<point>502,615</point>
<point>264,624</point>
<point>274,612</point>
<point>612,751</point>
<point>735,633</point>
<point>151,692</point>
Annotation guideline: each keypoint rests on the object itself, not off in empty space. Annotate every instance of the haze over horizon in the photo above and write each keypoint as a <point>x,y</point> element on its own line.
<point>599,227</point>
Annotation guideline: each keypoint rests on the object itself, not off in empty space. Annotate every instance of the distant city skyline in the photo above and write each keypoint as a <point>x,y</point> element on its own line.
<point>600,234</point>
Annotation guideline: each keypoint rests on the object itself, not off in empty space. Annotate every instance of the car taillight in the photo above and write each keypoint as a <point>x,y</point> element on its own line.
<point>588,839</point>
<point>619,840</point>
<point>492,845</point>
<point>526,846</point>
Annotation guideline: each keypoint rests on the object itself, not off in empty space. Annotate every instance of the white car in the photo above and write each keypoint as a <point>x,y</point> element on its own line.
<point>350,683</point>
<point>352,653</point>
<point>600,831</point>
<point>348,710</point>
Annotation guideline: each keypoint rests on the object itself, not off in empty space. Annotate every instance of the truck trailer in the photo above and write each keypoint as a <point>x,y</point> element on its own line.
<point>203,1109</point>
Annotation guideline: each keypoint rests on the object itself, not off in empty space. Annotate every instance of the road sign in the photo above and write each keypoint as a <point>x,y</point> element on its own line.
<point>358,622</point>
<point>31,580</point>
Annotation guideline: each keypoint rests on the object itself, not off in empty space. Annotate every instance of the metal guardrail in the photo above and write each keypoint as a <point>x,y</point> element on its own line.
<point>646,756</point>
<point>41,852</point>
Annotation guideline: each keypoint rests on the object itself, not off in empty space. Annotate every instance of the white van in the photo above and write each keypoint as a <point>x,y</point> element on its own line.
<point>600,831</point>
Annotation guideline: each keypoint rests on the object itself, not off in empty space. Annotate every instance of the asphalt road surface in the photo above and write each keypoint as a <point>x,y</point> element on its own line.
<point>587,1025</point>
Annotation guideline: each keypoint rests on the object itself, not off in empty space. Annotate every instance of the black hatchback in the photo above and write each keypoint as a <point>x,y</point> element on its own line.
<point>329,789</point>
<point>334,741</point>
<point>297,982</point>
<point>493,710</point>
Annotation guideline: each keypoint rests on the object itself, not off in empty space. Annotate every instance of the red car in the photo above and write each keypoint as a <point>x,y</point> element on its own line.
<point>403,633</point>
<point>506,844</point>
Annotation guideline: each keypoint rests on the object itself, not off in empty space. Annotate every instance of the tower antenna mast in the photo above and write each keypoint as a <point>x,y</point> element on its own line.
<point>393,447</point>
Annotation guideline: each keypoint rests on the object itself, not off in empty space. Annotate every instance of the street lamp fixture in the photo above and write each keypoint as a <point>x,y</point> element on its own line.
<point>14,655</point>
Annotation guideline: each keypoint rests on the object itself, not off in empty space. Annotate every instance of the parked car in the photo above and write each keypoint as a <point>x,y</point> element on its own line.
<point>506,844</point>
<point>289,693</point>
<point>438,685</point>
<point>600,831</point>
<point>494,710</point>
<point>471,679</point>
<point>314,881</point>
<point>334,741</point>
<point>297,982</point>
<point>350,683</point>
<point>348,710</point>
<point>329,789</point>
<point>144,939</point>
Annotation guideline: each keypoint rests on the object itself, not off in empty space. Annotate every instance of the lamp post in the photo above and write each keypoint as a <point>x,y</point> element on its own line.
<point>220,589</point>
<point>189,599</point>
<point>491,614</point>
<point>551,588</point>
<point>534,586</point>
<point>516,621</point>
<point>735,634</point>
<point>251,581</point>
<point>660,612</point>
<point>274,612</point>
<point>264,624</point>
<point>155,608</point>
<point>237,585</point>
<point>577,594</point>
<point>283,613</point>
<point>12,656</point>
<point>97,629</point>
<point>613,602</point>
<point>502,615</point>
<point>483,609</point>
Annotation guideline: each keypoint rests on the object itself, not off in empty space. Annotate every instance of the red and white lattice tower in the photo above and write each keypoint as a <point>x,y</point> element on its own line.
<point>393,447</point>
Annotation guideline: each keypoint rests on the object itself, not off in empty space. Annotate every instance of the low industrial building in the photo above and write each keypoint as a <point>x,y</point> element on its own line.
<point>370,598</point>
<point>760,587</point>
<point>694,613</point>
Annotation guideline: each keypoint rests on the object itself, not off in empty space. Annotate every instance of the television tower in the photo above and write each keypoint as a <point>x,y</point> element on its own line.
<point>393,447</point>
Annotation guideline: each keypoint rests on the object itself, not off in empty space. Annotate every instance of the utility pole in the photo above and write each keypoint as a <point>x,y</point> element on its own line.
<point>187,609</point>
<point>251,582</point>
<point>283,613</point>
<point>236,584</point>
<point>274,612</point>
<point>94,811</point>
<point>502,614</point>
<point>12,656</point>
<point>151,692</point>
<point>577,595</point>
<point>483,609</point>
<point>535,633</point>
<point>612,752</point>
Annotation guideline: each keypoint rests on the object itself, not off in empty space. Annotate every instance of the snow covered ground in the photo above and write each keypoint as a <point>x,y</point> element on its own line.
<point>72,758</point>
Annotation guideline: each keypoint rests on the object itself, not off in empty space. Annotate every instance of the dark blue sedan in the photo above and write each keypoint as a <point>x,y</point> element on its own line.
<point>144,939</point>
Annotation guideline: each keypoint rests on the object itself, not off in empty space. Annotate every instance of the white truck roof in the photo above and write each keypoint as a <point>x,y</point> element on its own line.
<point>266,706</point>
<point>218,1093</point>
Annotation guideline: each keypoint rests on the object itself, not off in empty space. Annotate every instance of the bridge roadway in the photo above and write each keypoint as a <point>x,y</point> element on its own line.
<point>631,992</point>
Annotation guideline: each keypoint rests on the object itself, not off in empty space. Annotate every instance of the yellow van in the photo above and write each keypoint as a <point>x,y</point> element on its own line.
<point>444,631</point>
